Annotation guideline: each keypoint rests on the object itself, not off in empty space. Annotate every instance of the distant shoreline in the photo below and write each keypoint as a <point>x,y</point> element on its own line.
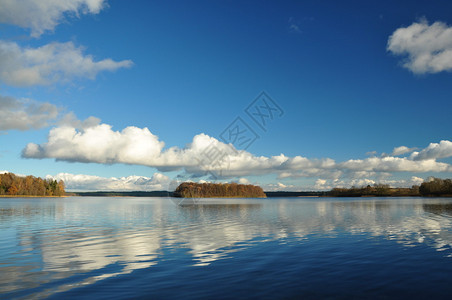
<point>310,194</point>
<point>170,195</point>
<point>30,196</point>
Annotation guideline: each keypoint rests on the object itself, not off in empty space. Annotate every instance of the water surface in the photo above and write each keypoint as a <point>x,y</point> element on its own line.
<point>225,248</point>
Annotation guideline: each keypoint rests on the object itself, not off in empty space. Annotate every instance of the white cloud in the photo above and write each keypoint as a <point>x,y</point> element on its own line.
<point>81,182</point>
<point>25,114</point>
<point>361,182</point>
<point>54,62</point>
<point>394,164</point>
<point>323,185</point>
<point>428,47</point>
<point>91,141</point>
<point>244,181</point>
<point>401,150</point>
<point>416,180</point>
<point>98,143</point>
<point>442,149</point>
<point>371,153</point>
<point>44,15</point>
<point>272,187</point>
<point>71,120</point>
<point>328,184</point>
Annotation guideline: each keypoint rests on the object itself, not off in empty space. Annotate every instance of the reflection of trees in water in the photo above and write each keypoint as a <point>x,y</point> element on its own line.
<point>25,210</point>
<point>403,220</point>
<point>440,223</point>
<point>438,208</point>
<point>222,207</point>
<point>212,229</point>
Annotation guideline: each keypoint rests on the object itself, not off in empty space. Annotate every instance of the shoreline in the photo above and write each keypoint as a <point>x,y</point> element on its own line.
<point>30,196</point>
<point>231,197</point>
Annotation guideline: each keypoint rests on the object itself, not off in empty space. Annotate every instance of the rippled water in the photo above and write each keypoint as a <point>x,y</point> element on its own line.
<point>230,248</point>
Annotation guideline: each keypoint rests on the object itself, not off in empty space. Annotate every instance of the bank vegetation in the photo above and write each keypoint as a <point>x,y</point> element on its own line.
<point>432,187</point>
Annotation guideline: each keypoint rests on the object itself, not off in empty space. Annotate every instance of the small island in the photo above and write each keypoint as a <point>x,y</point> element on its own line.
<point>218,190</point>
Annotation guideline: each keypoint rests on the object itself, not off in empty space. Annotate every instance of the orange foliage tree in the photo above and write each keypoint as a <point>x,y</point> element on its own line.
<point>11,184</point>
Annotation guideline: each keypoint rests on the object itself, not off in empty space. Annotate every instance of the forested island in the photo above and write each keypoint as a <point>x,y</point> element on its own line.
<point>218,190</point>
<point>13,185</point>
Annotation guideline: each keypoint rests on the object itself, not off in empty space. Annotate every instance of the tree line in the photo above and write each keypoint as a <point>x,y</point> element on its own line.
<point>377,190</point>
<point>436,187</point>
<point>431,187</point>
<point>224,190</point>
<point>13,185</point>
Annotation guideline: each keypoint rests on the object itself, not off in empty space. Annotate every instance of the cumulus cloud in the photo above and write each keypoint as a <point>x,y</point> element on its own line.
<point>25,114</point>
<point>395,164</point>
<point>54,62</point>
<point>326,184</point>
<point>99,143</point>
<point>428,47</point>
<point>439,150</point>
<point>94,142</point>
<point>71,120</point>
<point>321,184</point>
<point>244,181</point>
<point>44,15</point>
<point>272,187</point>
<point>416,180</point>
<point>401,150</point>
<point>81,182</point>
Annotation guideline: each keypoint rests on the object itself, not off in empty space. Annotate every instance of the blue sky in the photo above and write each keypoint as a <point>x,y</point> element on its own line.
<point>364,88</point>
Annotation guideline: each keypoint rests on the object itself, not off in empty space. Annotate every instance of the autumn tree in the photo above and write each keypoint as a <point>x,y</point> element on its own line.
<point>209,190</point>
<point>12,190</point>
<point>11,184</point>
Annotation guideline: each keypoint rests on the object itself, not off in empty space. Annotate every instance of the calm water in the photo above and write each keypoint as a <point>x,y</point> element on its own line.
<point>237,248</point>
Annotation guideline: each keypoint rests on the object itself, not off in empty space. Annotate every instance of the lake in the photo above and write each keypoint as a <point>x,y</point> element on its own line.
<point>277,248</point>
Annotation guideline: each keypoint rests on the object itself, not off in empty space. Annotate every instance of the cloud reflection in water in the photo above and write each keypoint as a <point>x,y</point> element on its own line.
<point>56,239</point>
